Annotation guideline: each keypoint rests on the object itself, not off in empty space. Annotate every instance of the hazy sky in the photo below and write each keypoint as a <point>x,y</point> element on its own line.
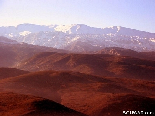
<point>135,14</point>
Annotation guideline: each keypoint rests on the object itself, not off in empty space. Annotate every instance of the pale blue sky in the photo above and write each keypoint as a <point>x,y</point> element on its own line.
<point>135,14</point>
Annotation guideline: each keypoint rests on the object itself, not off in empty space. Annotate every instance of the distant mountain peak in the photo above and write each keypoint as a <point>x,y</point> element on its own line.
<point>61,36</point>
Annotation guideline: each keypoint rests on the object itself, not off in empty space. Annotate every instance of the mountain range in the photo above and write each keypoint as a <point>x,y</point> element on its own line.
<point>80,37</point>
<point>116,62</point>
<point>97,72</point>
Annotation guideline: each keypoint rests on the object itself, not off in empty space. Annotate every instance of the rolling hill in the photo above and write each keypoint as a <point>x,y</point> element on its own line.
<point>129,103</point>
<point>99,83</point>
<point>12,52</point>
<point>12,104</point>
<point>127,52</point>
<point>96,64</point>
<point>82,92</point>
<point>11,72</point>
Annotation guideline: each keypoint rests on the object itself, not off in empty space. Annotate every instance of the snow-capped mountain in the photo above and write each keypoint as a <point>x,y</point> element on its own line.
<point>70,37</point>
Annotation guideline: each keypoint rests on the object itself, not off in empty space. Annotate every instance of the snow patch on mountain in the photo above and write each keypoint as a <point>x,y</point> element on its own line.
<point>24,33</point>
<point>152,40</point>
<point>62,36</point>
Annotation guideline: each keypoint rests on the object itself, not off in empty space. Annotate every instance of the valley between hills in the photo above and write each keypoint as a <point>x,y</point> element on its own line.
<point>40,80</point>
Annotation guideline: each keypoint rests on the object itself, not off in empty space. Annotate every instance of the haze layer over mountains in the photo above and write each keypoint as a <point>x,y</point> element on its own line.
<point>76,70</point>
